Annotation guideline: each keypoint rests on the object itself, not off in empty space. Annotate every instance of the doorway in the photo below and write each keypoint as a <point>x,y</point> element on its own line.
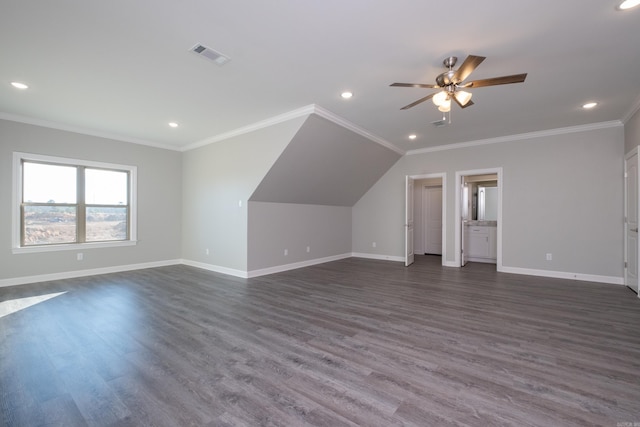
<point>425,215</point>
<point>432,219</point>
<point>482,241</point>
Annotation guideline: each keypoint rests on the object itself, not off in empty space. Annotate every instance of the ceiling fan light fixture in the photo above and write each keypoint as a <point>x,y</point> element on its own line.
<point>445,107</point>
<point>440,98</point>
<point>463,97</point>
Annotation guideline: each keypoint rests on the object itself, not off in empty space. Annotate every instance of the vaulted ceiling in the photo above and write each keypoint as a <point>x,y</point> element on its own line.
<point>124,69</point>
<point>324,164</point>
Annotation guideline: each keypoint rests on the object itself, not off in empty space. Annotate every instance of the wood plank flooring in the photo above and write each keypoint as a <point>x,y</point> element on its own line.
<point>352,342</point>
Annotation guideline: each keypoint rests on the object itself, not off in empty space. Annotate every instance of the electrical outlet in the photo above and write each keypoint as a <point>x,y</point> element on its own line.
<point>79,256</point>
<point>308,249</point>
<point>206,251</point>
<point>286,252</point>
<point>373,244</point>
<point>549,257</point>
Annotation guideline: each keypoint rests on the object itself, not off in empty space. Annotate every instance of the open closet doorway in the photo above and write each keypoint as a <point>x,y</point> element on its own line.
<point>425,216</point>
<point>478,213</point>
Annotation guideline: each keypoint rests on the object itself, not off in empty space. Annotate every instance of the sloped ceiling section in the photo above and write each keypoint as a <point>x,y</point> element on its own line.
<point>325,164</point>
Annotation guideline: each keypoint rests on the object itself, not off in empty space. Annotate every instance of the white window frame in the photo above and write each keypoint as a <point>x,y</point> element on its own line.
<point>16,199</point>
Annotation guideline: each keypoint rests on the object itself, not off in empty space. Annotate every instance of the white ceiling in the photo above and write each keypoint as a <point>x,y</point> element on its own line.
<point>123,68</point>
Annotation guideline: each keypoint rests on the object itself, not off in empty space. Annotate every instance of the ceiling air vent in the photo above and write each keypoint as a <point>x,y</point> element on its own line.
<point>211,54</point>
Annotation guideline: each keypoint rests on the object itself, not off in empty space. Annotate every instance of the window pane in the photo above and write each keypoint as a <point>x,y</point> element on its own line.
<point>49,224</point>
<point>106,224</point>
<point>105,187</point>
<point>49,183</point>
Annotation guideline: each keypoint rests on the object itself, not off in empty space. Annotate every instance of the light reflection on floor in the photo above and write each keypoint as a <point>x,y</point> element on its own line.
<point>14,305</point>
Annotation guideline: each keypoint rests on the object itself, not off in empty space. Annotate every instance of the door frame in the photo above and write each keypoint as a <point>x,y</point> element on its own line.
<point>409,232</point>
<point>458,213</point>
<point>443,177</point>
<point>627,156</point>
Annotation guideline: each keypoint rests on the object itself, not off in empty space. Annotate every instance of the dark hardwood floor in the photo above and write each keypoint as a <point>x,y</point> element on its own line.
<point>352,342</point>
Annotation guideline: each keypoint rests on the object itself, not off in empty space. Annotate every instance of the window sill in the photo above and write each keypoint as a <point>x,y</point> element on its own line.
<point>72,247</point>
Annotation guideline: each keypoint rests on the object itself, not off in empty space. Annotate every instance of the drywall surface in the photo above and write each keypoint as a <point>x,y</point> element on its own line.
<point>305,232</point>
<point>562,194</point>
<point>218,180</point>
<point>325,164</point>
<point>632,132</point>
<point>159,175</point>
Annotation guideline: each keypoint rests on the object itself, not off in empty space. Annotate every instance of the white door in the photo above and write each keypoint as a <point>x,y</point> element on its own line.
<point>433,220</point>
<point>408,223</point>
<point>631,225</point>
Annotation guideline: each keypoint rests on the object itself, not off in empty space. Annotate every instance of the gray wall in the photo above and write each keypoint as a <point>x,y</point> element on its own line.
<point>632,132</point>
<point>561,194</point>
<point>274,227</point>
<point>305,198</point>
<point>217,178</point>
<point>325,164</point>
<point>159,200</point>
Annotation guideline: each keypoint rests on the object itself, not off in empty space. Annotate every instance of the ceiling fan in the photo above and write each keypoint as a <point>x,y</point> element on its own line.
<point>451,83</point>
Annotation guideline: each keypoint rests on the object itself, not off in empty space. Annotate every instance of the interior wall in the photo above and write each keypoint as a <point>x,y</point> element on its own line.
<point>158,211</point>
<point>562,194</point>
<point>632,132</point>
<point>276,227</point>
<point>218,180</point>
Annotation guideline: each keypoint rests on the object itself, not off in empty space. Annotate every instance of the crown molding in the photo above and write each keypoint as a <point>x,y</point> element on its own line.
<point>300,112</point>
<point>633,110</point>
<point>518,137</point>
<point>81,130</point>
<point>356,129</point>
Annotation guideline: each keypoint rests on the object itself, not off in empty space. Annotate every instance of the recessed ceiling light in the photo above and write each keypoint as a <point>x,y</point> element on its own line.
<point>628,4</point>
<point>19,85</point>
<point>346,95</point>
<point>173,124</point>
<point>589,105</point>
<point>413,136</point>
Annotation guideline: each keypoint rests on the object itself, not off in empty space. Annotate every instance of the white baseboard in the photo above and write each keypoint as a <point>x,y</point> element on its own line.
<point>285,267</point>
<point>215,268</point>
<point>614,280</point>
<point>295,265</point>
<point>377,256</point>
<point>82,273</point>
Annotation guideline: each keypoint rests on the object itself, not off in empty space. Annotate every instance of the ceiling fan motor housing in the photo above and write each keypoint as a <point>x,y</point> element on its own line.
<point>445,79</point>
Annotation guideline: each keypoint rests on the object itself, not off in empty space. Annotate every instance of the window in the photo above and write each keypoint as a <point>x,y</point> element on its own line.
<point>65,203</point>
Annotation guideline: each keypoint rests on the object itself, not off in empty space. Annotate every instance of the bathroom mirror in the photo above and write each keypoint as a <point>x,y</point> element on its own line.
<point>480,198</point>
<point>487,203</point>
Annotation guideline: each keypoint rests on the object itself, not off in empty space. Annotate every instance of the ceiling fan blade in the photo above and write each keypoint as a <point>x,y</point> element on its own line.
<point>469,64</point>
<point>468,104</point>
<point>419,101</point>
<point>504,80</point>
<point>415,85</point>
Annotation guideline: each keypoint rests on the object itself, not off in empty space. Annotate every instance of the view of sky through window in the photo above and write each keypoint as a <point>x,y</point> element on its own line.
<point>44,183</point>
